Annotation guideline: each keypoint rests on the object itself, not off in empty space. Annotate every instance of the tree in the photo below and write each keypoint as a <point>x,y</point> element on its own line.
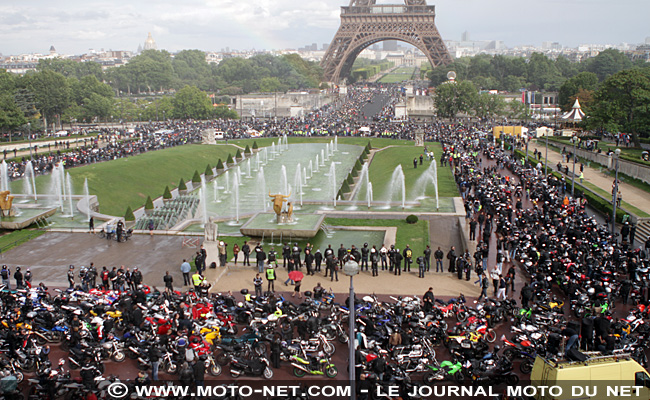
<point>255,145</point>
<point>50,90</point>
<point>148,205</point>
<point>197,177</point>
<point>586,81</point>
<point>247,150</point>
<point>238,154</point>
<point>607,63</point>
<point>489,105</point>
<point>219,164</point>
<point>128,215</point>
<point>208,171</point>
<point>190,102</point>
<point>191,68</point>
<point>453,98</point>
<point>223,112</point>
<point>229,160</point>
<point>543,73</point>
<point>622,103</point>
<point>182,185</point>
<point>167,194</point>
<point>11,116</point>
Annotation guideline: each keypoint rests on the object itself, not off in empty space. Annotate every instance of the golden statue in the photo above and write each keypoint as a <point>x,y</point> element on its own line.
<point>5,201</point>
<point>289,210</point>
<point>278,199</point>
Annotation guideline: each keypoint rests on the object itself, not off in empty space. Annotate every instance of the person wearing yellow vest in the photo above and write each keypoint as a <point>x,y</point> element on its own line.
<point>270,276</point>
<point>197,280</point>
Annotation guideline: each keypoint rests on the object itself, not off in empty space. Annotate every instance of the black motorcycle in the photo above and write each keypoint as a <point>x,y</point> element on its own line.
<point>256,366</point>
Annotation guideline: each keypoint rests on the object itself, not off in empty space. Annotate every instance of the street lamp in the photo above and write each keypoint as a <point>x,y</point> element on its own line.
<point>617,154</point>
<point>351,268</point>
<point>546,157</point>
<point>574,140</point>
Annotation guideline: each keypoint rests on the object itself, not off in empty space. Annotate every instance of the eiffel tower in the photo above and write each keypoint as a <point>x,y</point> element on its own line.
<point>364,23</point>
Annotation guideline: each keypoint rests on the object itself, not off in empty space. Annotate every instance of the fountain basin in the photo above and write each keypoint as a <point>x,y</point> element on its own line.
<point>26,217</point>
<point>264,225</point>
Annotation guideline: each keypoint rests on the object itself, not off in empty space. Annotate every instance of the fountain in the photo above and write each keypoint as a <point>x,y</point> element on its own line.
<point>55,189</point>
<point>239,180</point>
<point>331,147</point>
<point>272,150</point>
<point>397,183</point>
<point>215,192</point>
<point>336,143</point>
<point>297,183</point>
<point>68,189</point>
<point>203,200</point>
<point>304,176</point>
<point>427,177</point>
<point>284,183</point>
<point>235,195</point>
<point>227,187</point>
<point>311,168</point>
<point>286,141</point>
<point>369,194</point>
<point>317,164</point>
<point>248,169</point>
<point>261,188</point>
<point>322,157</point>
<point>328,151</point>
<point>4,176</point>
<point>86,196</point>
<point>332,181</point>
<point>257,161</point>
<point>29,183</point>
<point>266,155</point>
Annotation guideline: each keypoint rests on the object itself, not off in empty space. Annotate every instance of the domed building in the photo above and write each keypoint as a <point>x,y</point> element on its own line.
<point>150,44</point>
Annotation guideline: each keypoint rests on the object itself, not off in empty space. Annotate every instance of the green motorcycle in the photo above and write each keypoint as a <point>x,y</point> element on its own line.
<point>445,370</point>
<point>313,366</point>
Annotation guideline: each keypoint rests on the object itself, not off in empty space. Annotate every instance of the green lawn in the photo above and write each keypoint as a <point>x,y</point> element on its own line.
<point>128,181</point>
<point>398,75</point>
<point>16,238</point>
<point>385,162</point>
<point>416,235</point>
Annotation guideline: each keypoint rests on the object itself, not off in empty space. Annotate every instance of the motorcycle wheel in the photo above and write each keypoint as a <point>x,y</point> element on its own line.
<point>298,372</point>
<point>429,377</point>
<point>490,335</point>
<point>510,354</point>
<point>19,376</point>
<point>118,357</point>
<point>512,379</point>
<point>234,374</point>
<point>331,372</point>
<point>234,330</point>
<point>459,376</point>
<point>41,341</point>
<point>171,368</point>
<point>268,373</point>
<point>526,367</point>
<point>461,316</point>
<point>343,339</point>
<point>221,359</point>
<point>57,337</point>
<point>131,355</point>
<point>72,365</point>
<point>328,348</point>
<point>215,370</point>
<point>260,350</point>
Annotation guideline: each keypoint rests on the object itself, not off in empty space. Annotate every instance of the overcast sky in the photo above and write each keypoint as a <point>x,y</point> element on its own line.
<point>75,26</point>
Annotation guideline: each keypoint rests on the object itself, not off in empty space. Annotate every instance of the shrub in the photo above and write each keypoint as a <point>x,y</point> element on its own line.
<point>229,160</point>
<point>208,170</point>
<point>350,179</point>
<point>197,177</point>
<point>219,164</point>
<point>345,188</point>
<point>148,205</point>
<point>354,172</point>
<point>247,150</point>
<point>167,194</point>
<point>411,219</point>
<point>255,145</point>
<point>369,146</point>
<point>238,155</point>
<point>358,166</point>
<point>182,185</point>
<point>128,215</point>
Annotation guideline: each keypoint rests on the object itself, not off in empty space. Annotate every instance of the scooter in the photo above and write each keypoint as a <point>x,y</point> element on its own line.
<point>320,365</point>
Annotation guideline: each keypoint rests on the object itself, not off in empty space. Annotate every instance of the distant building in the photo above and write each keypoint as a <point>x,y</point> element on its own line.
<point>150,44</point>
<point>465,37</point>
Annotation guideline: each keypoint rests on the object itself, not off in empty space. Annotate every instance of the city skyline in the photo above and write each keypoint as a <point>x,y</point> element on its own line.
<point>211,25</point>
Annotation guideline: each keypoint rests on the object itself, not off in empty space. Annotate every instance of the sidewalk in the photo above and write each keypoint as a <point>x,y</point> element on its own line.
<point>631,195</point>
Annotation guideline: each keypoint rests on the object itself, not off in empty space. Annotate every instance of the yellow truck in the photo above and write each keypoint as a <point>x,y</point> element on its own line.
<point>516,131</point>
<point>615,376</point>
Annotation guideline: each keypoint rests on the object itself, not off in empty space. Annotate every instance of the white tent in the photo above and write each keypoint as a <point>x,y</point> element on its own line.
<point>576,114</point>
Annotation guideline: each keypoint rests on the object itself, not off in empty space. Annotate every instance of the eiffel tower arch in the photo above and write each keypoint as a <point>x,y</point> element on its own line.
<point>364,23</point>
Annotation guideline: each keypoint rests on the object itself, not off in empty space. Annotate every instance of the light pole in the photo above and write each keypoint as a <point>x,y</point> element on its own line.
<point>351,268</point>
<point>546,157</point>
<point>574,139</point>
<point>617,153</point>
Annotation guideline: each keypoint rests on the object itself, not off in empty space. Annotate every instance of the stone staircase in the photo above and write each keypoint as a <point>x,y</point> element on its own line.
<point>642,231</point>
